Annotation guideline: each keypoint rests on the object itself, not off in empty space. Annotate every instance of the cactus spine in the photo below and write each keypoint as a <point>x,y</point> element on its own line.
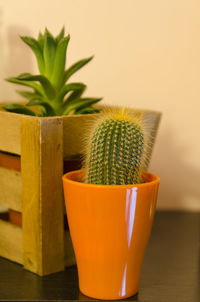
<point>117,150</point>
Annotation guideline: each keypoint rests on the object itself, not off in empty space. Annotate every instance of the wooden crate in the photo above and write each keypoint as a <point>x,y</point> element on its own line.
<point>41,245</point>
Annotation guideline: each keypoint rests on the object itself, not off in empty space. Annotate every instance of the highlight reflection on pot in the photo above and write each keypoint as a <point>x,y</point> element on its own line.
<point>130,212</point>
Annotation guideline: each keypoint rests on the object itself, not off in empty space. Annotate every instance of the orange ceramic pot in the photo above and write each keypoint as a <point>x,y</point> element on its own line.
<point>110,227</point>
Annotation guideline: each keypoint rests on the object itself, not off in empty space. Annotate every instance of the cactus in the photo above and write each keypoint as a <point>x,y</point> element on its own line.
<point>117,151</point>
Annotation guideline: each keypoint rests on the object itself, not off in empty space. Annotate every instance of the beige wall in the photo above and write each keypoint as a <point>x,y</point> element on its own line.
<point>147,55</point>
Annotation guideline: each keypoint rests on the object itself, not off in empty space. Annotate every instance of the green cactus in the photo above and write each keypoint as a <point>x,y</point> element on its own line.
<point>116,154</point>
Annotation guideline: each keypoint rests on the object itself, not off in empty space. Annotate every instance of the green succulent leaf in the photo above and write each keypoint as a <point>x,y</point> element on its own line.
<point>49,51</point>
<point>76,90</point>
<point>73,96</point>
<point>33,85</point>
<point>48,108</point>
<point>28,95</point>
<point>59,62</point>
<point>75,87</point>
<point>41,41</point>
<point>35,46</point>
<point>48,88</point>
<point>75,67</point>
<point>80,104</point>
<point>48,32</point>
<point>18,108</point>
<point>87,110</point>
<point>60,36</point>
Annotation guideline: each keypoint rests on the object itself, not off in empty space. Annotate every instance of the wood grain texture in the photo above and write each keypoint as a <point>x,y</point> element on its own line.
<point>74,130</point>
<point>42,199</point>
<point>10,189</point>
<point>170,270</point>
<point>69,251</point>
<point>10,132</point>
<point>11,242</point>
<point>151,122</point>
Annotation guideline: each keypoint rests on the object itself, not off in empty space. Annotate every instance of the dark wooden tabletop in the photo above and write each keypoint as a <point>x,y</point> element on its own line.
<point>170,270</point>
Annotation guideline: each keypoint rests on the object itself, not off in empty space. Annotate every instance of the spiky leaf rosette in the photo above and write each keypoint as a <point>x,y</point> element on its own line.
<point>116,154</point>
<point>51,93</point>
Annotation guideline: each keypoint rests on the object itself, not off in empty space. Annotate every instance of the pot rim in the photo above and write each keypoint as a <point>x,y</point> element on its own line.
<point>150,178</point>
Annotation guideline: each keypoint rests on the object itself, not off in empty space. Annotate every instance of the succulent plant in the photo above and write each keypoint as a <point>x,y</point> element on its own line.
<point>51,93</point>
<point>117,150</point>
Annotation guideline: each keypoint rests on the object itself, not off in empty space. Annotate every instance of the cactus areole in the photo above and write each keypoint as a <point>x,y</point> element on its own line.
<point>116,154</point>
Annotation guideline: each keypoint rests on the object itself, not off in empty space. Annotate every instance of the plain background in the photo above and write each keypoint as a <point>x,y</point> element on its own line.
<point>147,55</point>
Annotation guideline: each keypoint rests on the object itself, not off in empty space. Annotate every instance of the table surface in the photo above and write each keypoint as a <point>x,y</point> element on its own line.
<point>170,269</point>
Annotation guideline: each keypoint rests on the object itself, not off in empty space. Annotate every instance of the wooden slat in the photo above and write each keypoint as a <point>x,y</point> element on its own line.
<point>10,189</point>
<point>151,121</point>
<point>42,199</point>
<point>74,129</point>
<point>69,251</point>
<point>10,132</point>
<point>11,242</point>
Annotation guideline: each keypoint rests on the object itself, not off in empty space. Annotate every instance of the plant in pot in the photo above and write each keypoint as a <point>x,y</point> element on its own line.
<point>43,135</point>
<point>51,93</point>
<point>110,207</point>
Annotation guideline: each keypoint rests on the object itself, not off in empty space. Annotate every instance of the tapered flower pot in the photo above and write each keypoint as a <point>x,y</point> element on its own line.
<point>110,227</point>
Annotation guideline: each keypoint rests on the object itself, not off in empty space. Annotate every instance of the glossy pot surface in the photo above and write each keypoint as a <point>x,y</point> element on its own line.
<point>110,228</point>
